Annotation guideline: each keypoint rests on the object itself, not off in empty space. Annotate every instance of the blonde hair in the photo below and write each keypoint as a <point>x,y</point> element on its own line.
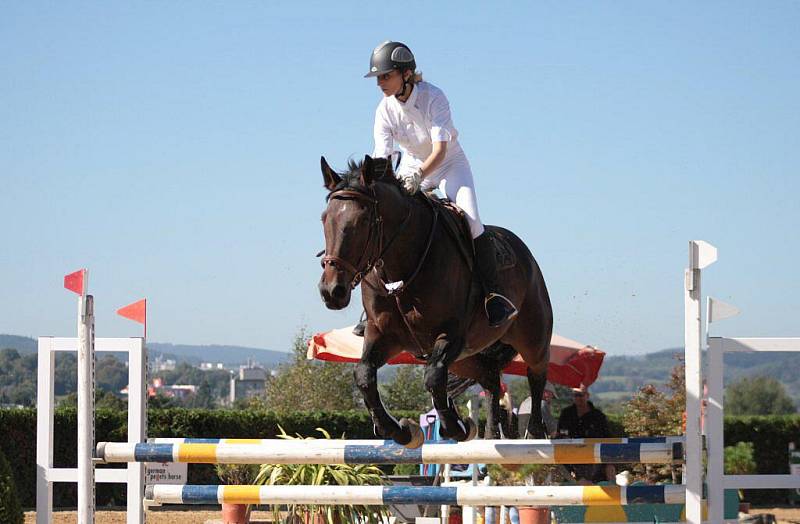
<point>415,78</point>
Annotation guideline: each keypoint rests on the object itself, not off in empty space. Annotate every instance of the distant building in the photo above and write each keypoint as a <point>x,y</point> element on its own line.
<point>162,364</point>
<point>177,391</point>
<point>208,366</point>
<point>250,381</point>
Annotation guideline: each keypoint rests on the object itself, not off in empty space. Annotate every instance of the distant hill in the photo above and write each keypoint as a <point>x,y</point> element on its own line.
<point>228,355</point>
<point>21,344</point>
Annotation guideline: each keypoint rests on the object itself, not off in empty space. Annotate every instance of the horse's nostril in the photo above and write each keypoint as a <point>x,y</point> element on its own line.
<point>339,292</point>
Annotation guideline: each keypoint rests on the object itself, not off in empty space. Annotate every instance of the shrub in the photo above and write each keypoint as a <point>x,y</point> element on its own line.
<point>739,459</point>
<point>10,508</point>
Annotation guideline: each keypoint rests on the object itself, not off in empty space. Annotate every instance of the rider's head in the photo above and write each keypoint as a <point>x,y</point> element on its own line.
<point>394,66</point>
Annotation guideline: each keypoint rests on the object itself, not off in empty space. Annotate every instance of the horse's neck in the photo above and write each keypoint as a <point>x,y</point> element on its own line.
<point>410,239</point>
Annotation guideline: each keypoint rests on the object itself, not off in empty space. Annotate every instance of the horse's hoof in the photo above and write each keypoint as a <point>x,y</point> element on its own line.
<point>377,432</point>
<point>472,429</point>
<point>417,436</point>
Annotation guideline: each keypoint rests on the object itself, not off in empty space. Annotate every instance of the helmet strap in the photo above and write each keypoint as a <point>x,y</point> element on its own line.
<point>406,83</point>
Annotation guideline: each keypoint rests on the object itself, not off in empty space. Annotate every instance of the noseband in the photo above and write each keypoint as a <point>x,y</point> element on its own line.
<point>374,238</point>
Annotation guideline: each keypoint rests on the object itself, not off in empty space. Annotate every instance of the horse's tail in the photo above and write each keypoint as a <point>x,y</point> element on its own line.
<point>498,353</point>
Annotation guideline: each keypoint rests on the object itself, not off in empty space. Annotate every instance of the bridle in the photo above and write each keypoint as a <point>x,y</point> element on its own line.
<point>372,257</point>
<point>368,260</point>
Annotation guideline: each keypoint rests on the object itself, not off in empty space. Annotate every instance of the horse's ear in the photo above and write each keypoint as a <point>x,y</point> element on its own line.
<point>367,170</point>
<point>329,176</point>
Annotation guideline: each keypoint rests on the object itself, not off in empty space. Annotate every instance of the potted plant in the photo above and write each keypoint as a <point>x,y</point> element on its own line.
<point>529,475</point>
<point>236,474</point>
<point>739,461</point>
<point>324,475</point>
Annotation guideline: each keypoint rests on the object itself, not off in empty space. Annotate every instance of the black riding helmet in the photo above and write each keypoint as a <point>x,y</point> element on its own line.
<point>389,56</point>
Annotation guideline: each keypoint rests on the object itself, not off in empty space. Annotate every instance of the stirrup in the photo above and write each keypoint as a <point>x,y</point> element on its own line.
<point>499,309</point>
<point>361,327</point>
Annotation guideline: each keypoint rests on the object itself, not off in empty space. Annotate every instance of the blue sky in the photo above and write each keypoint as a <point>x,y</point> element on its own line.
<point>173,149</point>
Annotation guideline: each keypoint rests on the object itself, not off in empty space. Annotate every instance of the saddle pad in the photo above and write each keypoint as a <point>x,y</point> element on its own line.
<point>458,227</point>
<point>506,258</point>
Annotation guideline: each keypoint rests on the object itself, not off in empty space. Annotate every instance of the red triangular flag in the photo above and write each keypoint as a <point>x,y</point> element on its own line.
<point>75,281</point>
<point>136,311</point>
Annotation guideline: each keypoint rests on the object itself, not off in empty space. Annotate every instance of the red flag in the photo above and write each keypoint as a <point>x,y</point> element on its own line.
<point>75,281</point>
<point>136,311</point>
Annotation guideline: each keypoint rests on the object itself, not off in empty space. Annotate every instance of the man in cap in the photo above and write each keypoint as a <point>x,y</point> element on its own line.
<point>583,420</point>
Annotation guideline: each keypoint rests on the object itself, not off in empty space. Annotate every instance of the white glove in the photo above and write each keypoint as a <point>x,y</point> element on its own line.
<point>411,179</point>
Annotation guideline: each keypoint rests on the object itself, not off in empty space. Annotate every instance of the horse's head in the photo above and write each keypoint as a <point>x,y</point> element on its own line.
<point>358,203</point>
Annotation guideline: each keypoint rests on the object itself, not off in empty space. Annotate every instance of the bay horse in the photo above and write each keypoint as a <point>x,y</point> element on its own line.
<point>420,295</point>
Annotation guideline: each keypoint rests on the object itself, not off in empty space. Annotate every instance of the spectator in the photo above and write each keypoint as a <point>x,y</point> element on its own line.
<point>550,423</point>
<point>583,420</point>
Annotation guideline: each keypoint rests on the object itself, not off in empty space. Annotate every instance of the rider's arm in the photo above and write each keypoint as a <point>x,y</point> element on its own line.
<point>435,158</point>
<point>442,131</point>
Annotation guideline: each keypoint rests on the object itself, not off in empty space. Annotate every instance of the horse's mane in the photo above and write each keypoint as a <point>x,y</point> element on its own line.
<point>382,173</point>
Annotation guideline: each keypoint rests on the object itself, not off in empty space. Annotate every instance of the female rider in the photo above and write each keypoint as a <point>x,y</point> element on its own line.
<point>416,115</point>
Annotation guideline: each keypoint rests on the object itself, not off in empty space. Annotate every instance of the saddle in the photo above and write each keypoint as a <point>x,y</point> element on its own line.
<point>456,224</point>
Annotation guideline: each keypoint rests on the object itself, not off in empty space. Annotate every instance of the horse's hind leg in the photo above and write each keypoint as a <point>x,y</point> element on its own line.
<point>445,350</point>
<point>487,374</point>
<point>536,427</point>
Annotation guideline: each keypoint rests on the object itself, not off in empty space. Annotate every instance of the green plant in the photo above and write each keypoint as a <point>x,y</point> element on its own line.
<point>10,508</point>
<point>405,469</point>
<point>529,475</point>
<point>739,460</point>
<point>237,474</point>
<point>323,475</point>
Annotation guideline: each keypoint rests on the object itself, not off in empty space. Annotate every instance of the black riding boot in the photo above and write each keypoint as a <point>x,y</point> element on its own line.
<point>499,309</point>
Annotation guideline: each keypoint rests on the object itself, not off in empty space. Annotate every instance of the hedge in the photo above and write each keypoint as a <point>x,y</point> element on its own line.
<point>770,436</point>
<point>10,507</point>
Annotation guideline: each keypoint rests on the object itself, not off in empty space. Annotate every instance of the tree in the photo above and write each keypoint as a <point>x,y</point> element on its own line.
<point>111,374</point>
<point>304,384</point>
<point>203,399</point>
<point>407,390</point>
<point>654,413</point>
<point>758,396</point>
<point>161,401</point>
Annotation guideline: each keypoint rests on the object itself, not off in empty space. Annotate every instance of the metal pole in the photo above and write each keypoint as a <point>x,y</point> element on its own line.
<point>86,497</point>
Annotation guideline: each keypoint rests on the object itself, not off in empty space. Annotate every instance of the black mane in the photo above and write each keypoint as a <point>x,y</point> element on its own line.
<point>351,179</point>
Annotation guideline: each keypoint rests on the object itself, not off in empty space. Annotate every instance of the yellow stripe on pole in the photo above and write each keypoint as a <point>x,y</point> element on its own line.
<point>241,494</point>
<point>574,454</point>
<point>198,453</point>
<point>602,495</point>
<point>602,440</point>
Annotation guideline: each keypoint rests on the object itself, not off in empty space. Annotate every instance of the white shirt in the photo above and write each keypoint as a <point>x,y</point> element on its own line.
<point>414,125</point>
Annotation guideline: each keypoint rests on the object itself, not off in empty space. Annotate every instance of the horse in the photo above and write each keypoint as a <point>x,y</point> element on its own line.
<point>421,295</point>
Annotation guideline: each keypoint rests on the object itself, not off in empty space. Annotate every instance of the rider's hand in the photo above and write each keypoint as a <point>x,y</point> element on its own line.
<point>411,179</point>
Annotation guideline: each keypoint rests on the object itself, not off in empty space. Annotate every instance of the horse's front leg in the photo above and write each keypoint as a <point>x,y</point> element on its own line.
<point>375,355</point>
<point>445,351</point>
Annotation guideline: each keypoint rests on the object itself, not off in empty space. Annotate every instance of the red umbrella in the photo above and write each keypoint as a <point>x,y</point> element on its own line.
<point>571,363</point>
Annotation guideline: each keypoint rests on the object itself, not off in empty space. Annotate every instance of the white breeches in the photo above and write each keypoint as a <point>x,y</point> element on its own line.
<point>454,179</point>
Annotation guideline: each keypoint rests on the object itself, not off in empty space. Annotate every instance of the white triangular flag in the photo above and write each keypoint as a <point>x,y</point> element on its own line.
<point>718,310</point>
